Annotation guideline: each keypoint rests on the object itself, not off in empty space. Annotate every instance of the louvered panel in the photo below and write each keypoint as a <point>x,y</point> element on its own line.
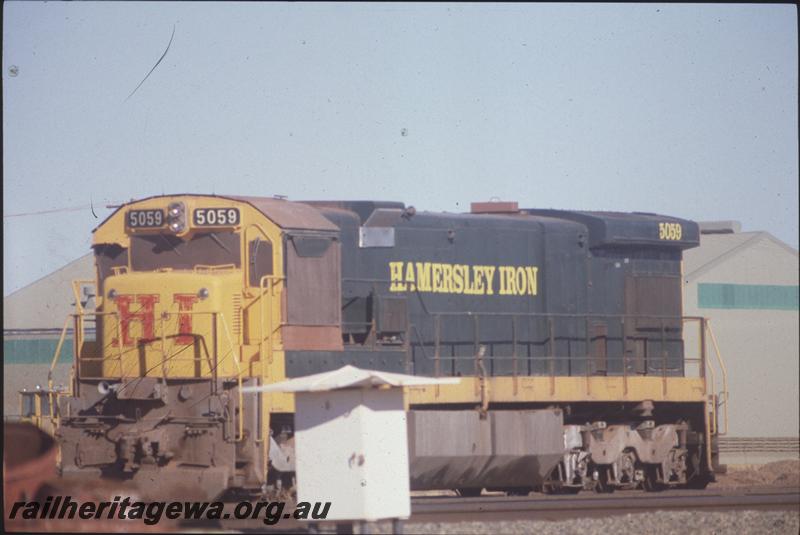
<point>237,316</point>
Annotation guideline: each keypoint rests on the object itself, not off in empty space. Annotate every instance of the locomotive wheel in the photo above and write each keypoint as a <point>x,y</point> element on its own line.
<point>469,493</point>
<point>548,489</point>
<point>627,470</point>
<point>602,486</point>
<point>698,482</point>
<point>556,487</point>
<point>651,482</point>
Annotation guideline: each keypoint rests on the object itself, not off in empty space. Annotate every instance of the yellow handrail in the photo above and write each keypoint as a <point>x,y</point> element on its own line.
<point>264,359</point>
<point>75,285</point>
<point>78,334</point>
<point>53,367</point>
<point>724,391</point>
<point>246,270</point>
<point>237,360</point>
<point>261,323</point>
<point>163,350</point>
<point>272,279</point>
<point>262,436</point>
<point>79,320</point>
<point>712,383</point>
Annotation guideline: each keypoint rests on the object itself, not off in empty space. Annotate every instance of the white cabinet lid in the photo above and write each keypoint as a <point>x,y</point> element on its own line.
<point>350,377</point>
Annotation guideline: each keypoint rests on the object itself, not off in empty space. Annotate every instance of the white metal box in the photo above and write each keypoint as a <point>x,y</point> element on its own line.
<point>352,450</point>
<point>351,440</point>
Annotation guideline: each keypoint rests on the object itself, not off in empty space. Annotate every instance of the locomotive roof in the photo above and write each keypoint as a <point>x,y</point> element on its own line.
<point>390,218</point>
<point>288,215</point>
<point>605,228</point>
<point>621,228</point>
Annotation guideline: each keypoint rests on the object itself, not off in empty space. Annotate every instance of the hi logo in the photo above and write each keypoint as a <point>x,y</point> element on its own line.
<point>140,308</point>
<point>185,304</point>
<point>145,314</point>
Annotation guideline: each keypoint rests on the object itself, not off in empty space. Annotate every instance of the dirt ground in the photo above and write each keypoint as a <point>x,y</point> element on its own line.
<point>778,474</point>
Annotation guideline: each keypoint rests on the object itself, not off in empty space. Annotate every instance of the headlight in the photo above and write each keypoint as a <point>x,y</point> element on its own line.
<point>112,294</point>
<point>175,209</point>
<point>203,293</point>
<point>176,217</point>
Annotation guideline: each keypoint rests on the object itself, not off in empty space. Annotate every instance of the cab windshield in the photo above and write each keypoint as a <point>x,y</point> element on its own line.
<point>156,251</point>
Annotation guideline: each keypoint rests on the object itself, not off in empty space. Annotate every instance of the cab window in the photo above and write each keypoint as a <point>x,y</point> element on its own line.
<point>259,258</point>
<point>155,251</point>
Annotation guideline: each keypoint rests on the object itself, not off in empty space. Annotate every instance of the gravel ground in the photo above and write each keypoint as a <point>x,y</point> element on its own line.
<point>778,473</point>
<point>657,523</point>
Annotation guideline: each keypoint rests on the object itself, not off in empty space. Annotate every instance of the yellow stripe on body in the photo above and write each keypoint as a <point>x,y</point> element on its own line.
<point>561,389</point>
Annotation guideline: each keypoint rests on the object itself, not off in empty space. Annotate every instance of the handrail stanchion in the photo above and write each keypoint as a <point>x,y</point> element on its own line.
<point>723,369</point>
<point>215,348</point>
<point>713,384</point>
<point>514,352</point>
<point>588,386</point>
<point>270,281</point>
<point>53,366</point>
<point>238,362</point>
<point>262,436</point>
<point>475,349</point>
<point>163,349</point>
<point>551,357</point>
<point>701,340</point>
<point>261,351</point>
<point>663,359</point>
<point>119,346</point>
<point>437,349</point>
<point>266,285</point>
<point>409,349</point>
<point>624,358</point>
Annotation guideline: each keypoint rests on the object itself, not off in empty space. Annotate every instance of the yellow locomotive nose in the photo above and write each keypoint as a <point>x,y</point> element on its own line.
<point>171,324</point>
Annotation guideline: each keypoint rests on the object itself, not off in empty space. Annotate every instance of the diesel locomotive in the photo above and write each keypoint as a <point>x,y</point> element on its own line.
<point>565,327</point>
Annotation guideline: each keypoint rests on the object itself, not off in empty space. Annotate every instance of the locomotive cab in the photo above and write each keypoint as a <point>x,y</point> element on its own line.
<point>192,305</point>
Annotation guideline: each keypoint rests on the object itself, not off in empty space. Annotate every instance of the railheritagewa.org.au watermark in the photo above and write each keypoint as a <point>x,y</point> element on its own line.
<point>64,507</point>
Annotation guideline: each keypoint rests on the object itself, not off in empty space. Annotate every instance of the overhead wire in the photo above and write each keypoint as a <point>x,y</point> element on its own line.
<point>58,210</point>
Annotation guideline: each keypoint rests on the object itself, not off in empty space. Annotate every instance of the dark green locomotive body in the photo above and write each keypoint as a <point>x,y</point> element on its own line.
<point>535,292</point>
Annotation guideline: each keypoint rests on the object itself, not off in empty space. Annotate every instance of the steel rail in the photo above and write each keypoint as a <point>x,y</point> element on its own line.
<point>494,508</point>
<point>450,509</point>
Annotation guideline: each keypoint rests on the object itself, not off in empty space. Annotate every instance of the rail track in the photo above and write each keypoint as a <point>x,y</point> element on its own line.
<point>539,507</point>
<point>493,508</point>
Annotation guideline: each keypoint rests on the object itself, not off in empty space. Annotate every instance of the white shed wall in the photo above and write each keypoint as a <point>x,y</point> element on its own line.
<point>760,347</point>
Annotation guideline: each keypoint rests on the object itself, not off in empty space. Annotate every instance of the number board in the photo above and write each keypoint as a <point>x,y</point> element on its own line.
<point>670,231</point>
<point>145,218</point>
<point>216,217</point>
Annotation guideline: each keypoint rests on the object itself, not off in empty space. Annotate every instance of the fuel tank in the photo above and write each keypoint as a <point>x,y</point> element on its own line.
<point>468,449</point>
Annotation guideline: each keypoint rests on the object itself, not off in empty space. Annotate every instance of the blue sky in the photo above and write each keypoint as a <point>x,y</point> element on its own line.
<point>687,110</point>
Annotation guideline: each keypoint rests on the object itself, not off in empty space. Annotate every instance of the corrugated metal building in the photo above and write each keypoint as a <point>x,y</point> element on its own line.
<point>33,317</point>
<point>746,283</point>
